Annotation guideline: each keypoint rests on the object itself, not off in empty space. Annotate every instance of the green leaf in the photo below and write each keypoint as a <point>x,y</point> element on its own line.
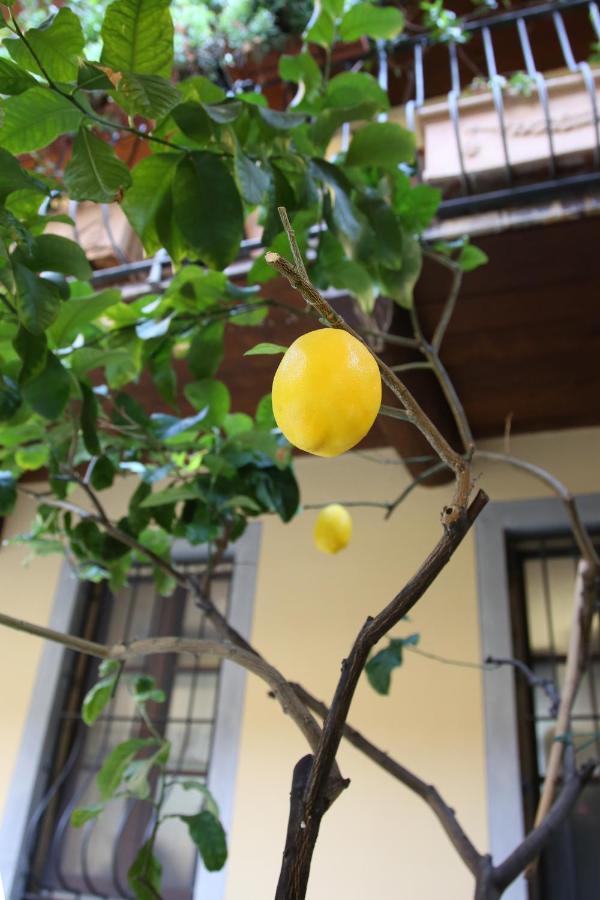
<point>346,274</point>
<point>51,252</point>
<point>14,178</point>
<point>264,413</point>
<point>77,312</point>
<point>322,30</point>
<point>145,874</point>
<point>35,118</point>
<point>138,37</point>
<point>207,834</point>
<point>384,144</point>
<point>380,667</point>
<point>94,172</point>
<point>97,698</point>
<point>146,95</point>
<point>347,218</point>
<point>32,349</point>
<point>328,121</point>
<point>103,473</point>
<point>113,768</point>
<point>10,399</point>
<point>145,690</point>
<point>301,69</point>
<point>471,257</point>
<point>282,121</point>
<point>13,80</point>
<point>416,205</point>
<point>32,457</point>
<point>211,394</point>
<point>200,88</point>
<point>349,89</point>
<point>37,302</point>
<point>84,814</point>
<point>265,349</point>
<point>400,284</point>
<point>8,492</point>
<point>209,800</point>
<point>367,20</point>
<point>147,201</point>
<point>170,495</point>
<point>49,392</point>
<point>206,350</point>
<point>237,423</point>
<point>384,242</point>
<point>57,43</point>
<point>224,113</point>
<point>254,182</point>
<point>193,120</point>
<point>208,209</point>
<point>88,417</point>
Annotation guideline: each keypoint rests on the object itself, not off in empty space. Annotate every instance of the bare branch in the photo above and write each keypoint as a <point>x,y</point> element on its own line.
<point>412,366</point>
<point>291,236</point>
<point>530,847</point>
<point>448,310</point>
<point>425,474</point>
<point>427,792</point>
<point>90,648</point>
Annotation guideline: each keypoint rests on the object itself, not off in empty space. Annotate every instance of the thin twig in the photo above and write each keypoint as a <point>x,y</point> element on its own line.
<point>448,310</point>
<point>427,473</point>
<point>411,366</point>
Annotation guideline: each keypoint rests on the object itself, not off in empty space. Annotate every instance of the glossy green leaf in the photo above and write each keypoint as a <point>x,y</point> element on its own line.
<point>211,394</point>
<point>202,89</point>
<point>265,349</point>
<point>254,181</point>
<point>206,350</point>
<point>94,172</point>
<point>321,31</point>
<point>49,392</point>
<point>57,44</point>
<point>384,144</point>
<point>138,37</point>
<point>224,113</point>
<point>208,208</point>
<point>78,312</point>
<point>10,398</point>
<point>347,218</point>
<point>147,95</point>
<point>8,492</point>
<point>264,413</point>
<point>37,302</point>
<point>35,118</point>
<point>207,834</point>
<point>193,120</point>
<point>328,121</point>
<point>53,253</point>
<point>399,284</point>
<point>32,350</point>
<point>471,257</point>
<point>170,495</point>
<point>347,274</point>
<point>282,121</point>
<point>368,20</point>
<point>84,814</point>
<point>13,80</point>
<point>14,178</point>
<point>348,89</point>
<point>145,874</point>
<point>113,768</point>
<point>97,698</point>
<point>103,473</point>
<point>237,423</point>
<point>301,69</point>
<point>380,667</point>
<point>148,199</point>
<point>415,205</point>
<point>32,457</point>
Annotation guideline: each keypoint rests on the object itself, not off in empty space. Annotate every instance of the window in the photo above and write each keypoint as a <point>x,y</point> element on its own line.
<point>201,718</point>
<point>517,589</point>
<point>542,573</point>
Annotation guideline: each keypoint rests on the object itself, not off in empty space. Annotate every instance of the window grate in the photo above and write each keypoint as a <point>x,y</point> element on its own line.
<point>542,577</point>
<point>92,862</point>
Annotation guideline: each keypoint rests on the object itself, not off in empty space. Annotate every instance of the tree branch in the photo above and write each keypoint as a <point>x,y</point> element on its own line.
<point>448,310</point>
<point>295,878</point>
<point>530,847</point>
<point>446,816</point>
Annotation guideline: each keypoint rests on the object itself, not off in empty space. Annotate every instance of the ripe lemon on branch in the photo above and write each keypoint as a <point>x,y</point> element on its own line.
<point>326,392</point>
<point>333,528</point>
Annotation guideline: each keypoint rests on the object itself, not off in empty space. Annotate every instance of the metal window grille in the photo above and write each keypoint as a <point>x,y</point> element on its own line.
<point>92,862</point>
<point>542,576</point>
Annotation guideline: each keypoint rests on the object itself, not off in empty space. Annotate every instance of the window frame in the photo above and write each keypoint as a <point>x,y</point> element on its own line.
<point>39,733</point>
<point>498,522</point>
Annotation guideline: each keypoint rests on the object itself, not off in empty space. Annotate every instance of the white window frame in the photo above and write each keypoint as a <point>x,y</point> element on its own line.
<point>498,522</point>
<point>39,733</point>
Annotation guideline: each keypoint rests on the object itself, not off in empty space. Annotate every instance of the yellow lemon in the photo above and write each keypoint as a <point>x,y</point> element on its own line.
<point>333,528</point>
<point>326,392</point>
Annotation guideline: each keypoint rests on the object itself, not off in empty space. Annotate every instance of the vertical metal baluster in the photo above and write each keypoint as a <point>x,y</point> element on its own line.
<point>497,95</point>
<point>453,109</point>
<point>541,88</point>
<point>412,105</point>
<point>595,18</point>
<point>586,73</point>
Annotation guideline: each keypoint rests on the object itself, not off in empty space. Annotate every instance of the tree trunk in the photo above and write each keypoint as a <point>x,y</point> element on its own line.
<point>485,888</point>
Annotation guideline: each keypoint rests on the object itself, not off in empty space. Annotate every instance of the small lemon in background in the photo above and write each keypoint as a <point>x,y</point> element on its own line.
<point>333,528</point>
<point>326,392</point>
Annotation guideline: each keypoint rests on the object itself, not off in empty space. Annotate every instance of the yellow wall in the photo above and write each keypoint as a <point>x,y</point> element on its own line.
<point>378,840</point>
